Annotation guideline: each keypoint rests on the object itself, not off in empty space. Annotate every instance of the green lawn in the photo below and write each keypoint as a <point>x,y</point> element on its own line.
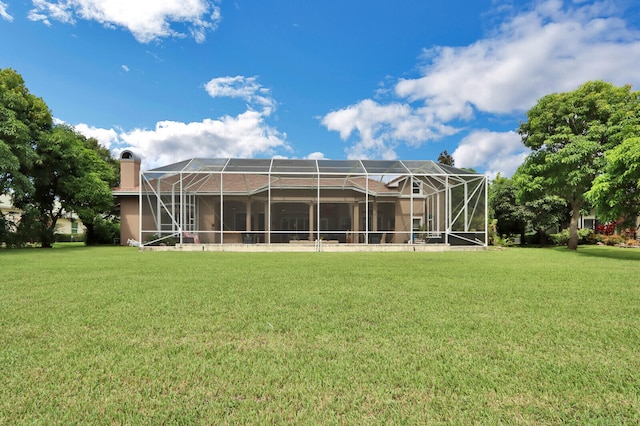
<point>111,335</point>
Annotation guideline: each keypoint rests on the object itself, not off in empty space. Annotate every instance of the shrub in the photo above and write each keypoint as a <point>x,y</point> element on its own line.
<point>561,238</point>
<point>612,240</point>
<point>68,238</point>
<point>585,236</point>
<point>538,238</point>
<point>502,241</point>
<point>102,231</point>
<point>632,242</point>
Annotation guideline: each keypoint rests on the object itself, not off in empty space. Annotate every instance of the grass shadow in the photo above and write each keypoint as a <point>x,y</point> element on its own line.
<point>617,253</point>
<point>56,247</point>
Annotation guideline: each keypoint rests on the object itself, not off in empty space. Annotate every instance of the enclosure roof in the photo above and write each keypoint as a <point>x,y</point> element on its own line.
<point>297,166</point>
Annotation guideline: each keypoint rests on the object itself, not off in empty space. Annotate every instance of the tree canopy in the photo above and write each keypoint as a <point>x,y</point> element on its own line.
<point>503,205</point>
<point>616,192</point>
<point>48,169</point>
<point>23,119</point>
<point>569,134</point>
<point>514,217</point>
<point>445,158</point>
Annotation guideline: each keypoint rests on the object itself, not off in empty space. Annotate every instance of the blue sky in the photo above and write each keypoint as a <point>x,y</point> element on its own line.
<point>176,79</point>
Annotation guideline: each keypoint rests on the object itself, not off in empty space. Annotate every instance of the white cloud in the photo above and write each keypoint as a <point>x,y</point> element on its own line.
<point>109,138</point>
<point>44,10</point>
<point>494,152</point>
<point>147,20</point>
<point>245,88</point>
<point>542,50</point>
<point>3,12</point>
<point>381,127</point>
<point>125,68</point>
<point>545,50</point>
<point>245,135</point>
<point>316,156</point>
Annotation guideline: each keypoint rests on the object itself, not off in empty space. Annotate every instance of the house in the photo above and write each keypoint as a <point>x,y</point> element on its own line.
<point>273,201</point>
<point>68,223</point>
<point>10,213</point>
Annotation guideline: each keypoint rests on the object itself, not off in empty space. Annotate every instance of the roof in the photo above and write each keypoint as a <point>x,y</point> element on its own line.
<point>244,183</point>
<point>254,175</point>
<point>305,167</point>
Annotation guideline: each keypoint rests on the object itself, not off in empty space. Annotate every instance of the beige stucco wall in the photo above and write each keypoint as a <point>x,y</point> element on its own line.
<point>129,172</point>
<point>65,226</point>
<point>129,224</point>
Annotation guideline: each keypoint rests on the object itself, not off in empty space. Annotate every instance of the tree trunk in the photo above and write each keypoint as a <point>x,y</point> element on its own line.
<point>573,227</point>
<point>48,231</point>
<point>47,238</point>
<point>90,238</point>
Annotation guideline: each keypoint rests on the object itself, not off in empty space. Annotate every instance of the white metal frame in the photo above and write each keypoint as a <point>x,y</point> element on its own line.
<point>451,200</point>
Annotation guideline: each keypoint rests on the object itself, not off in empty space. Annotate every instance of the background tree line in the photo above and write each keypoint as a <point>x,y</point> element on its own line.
<point>49,169</point>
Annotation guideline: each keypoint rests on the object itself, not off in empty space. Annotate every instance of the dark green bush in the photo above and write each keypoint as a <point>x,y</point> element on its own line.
<point>538,238</point>
<point>68,238</point>
<point>102,231</point>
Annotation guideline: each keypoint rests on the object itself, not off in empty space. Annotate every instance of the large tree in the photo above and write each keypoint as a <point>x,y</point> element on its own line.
<point>48,170</point>
<point>568,134</point>
<point>68,176</point>
<point>616,192</point>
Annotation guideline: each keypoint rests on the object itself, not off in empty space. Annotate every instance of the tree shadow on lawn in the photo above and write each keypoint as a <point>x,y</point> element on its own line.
<point>56,246</point>
<point>618,253</point>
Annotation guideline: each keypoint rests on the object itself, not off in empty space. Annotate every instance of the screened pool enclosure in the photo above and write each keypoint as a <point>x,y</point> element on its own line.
<point>271,201</point>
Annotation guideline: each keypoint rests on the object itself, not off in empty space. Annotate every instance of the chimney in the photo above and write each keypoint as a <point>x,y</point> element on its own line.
<point>129,169</point>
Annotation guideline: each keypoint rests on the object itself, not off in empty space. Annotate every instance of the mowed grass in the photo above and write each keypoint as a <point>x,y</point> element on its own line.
<point>115,336</point>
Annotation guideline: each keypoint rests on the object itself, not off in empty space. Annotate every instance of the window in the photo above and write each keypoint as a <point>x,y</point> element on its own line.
<point>417,187</point>
<point>74,227</point>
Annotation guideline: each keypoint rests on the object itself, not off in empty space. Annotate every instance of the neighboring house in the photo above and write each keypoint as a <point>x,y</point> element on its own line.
<point>270,201</point>
<point>67,224</point>
<point>591,221</point>
<point>10,213</point>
